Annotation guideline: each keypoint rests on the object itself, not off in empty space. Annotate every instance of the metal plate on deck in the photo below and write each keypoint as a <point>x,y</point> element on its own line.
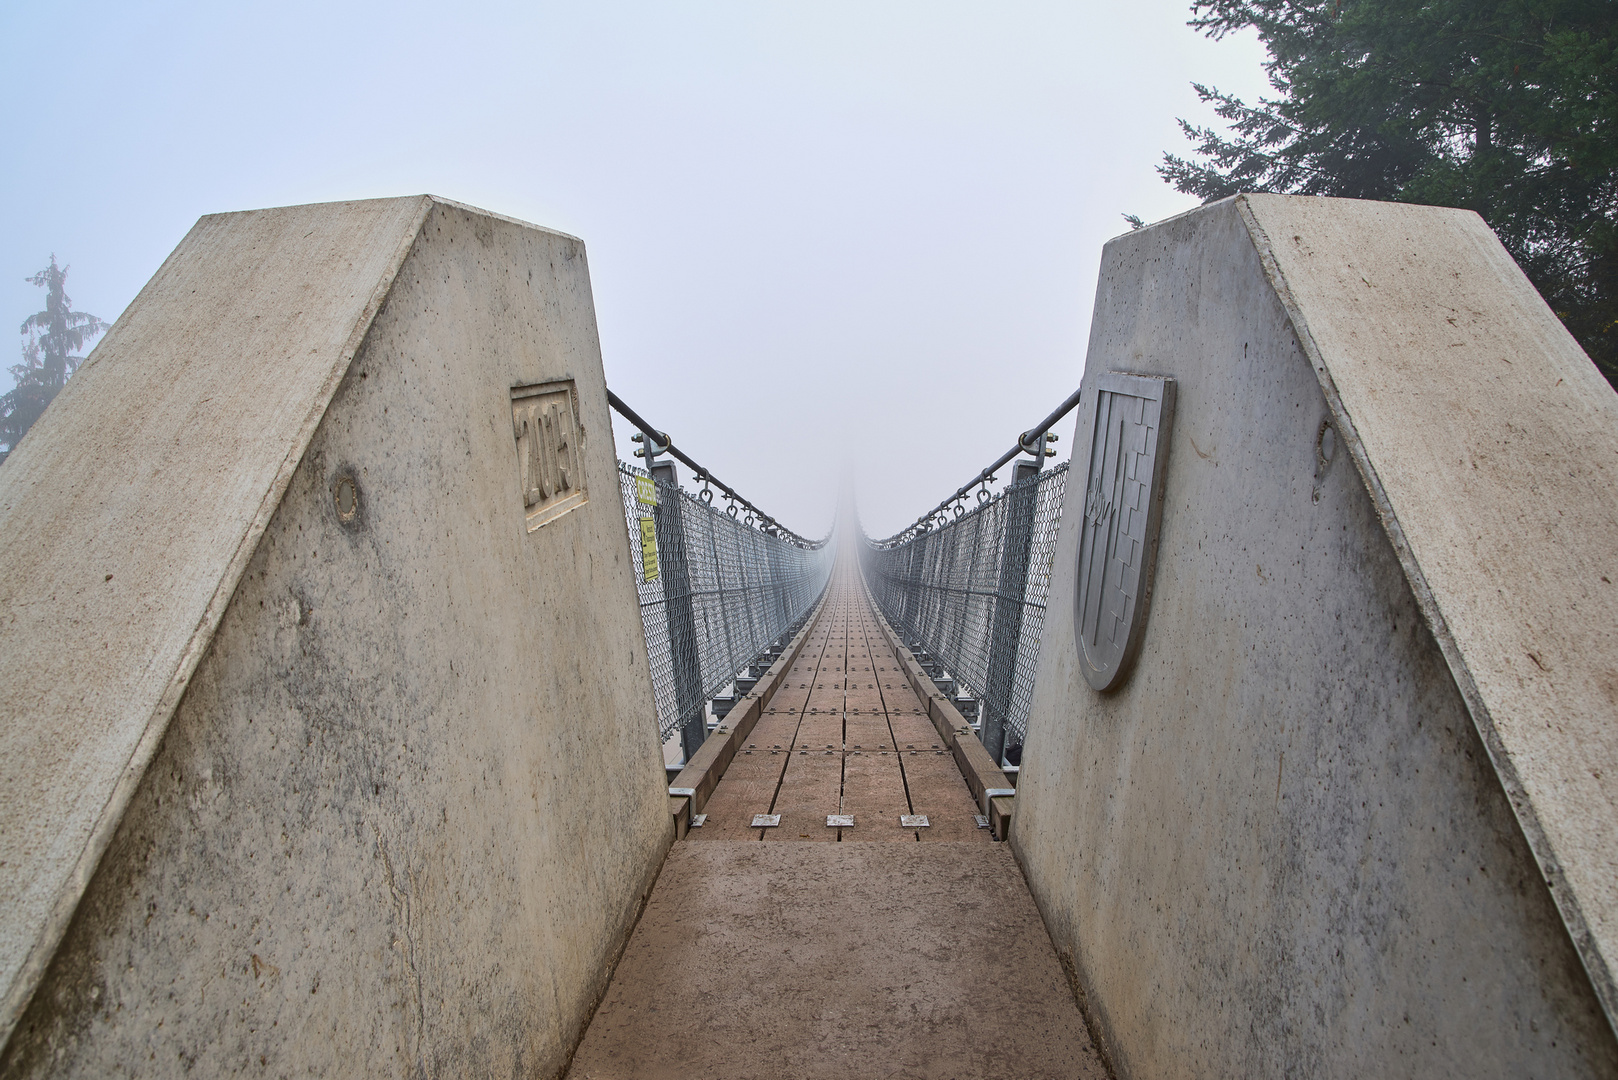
<point>839,821</point>
<point>699,820</point>
<point>766,821</point>
<point>982,820</point>
<point>913,821</point>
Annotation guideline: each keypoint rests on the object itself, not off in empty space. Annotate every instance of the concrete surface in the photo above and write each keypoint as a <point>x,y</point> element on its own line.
<point>759,960</point>
<point>1489,444</point>
<point>297,767</point>
<point>1312,834</point>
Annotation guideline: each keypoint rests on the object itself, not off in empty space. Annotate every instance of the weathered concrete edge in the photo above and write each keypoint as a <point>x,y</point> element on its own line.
<point>1596,965</point>
<point>1000,811</point>
<point>507,218</point>
<point>680,811</point>
<point>707,766</point>
<point>604,980</point>
<point>21,990</point>
<point>977,766</point>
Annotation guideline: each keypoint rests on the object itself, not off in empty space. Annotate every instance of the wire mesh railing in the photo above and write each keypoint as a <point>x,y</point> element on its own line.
<point>716,592</point>
<point>966,584</point>
<point>972,594</point>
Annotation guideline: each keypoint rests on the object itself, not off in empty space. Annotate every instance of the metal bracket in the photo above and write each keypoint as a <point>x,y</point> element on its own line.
<point>913,821</point>
<point>839,821</point>
<point>766,821</point>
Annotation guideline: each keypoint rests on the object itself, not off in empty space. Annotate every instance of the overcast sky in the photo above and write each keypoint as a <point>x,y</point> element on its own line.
<point>824,238</point>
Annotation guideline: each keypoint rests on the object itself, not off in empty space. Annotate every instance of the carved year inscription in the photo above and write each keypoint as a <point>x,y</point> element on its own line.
<point>550,450</point>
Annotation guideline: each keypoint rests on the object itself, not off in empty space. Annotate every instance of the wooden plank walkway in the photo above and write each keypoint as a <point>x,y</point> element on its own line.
<point>846,735</point>
<point>920,957</point>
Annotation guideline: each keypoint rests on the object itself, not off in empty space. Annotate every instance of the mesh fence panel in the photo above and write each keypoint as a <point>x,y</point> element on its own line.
<point>721,591</point>
<point>953,590</point>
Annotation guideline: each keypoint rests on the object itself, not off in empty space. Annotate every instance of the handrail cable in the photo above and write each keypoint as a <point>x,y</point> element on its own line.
<point>701,473</point>
<point>1029,442</point>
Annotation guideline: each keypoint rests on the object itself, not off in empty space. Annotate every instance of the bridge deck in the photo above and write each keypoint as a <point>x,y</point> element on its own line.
<point>787,959</point>
<point>845,736</point>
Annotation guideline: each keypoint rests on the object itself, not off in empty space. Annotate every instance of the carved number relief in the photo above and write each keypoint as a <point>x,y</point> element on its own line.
<point>550,450</point>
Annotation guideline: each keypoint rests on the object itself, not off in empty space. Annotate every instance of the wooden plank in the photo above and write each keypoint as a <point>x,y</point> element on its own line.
<point>874,792</point>
<point>810,790</point>
<point>867,733</point>
<point>824,708</point>
<point>866,698</point>
<point>680,810</point>
<point>1000,811</point>
<point>773,731</point>
<point>912,731</point>
<point>938,790</point>
<point>820,733</point>
<point>747,789</point>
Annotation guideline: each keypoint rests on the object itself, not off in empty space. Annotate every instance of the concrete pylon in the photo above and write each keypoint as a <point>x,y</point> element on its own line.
<point>328,743</point>
<point>1352,811</point>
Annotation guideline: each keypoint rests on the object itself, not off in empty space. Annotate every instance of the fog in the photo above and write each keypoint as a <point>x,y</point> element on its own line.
<point>825,240</point>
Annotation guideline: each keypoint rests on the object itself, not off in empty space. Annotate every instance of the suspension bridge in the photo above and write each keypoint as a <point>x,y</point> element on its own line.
<point>369,716</point>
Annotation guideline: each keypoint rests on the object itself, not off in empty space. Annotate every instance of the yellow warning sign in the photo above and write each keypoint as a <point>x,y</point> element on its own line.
<point>648,549</point>
<point>645,491</point>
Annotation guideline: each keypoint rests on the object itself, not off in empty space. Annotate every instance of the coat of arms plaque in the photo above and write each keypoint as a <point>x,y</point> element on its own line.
<point>1123,432</point>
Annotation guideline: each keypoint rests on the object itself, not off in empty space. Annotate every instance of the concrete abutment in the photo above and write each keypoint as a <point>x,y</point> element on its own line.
<point>356,771</point>
<point>1351,814</point>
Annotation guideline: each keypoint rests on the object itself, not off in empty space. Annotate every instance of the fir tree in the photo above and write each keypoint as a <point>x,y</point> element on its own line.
<point>52,340</point>
<point>1505,107</point>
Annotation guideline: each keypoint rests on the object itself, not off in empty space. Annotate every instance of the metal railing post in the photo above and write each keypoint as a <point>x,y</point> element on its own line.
<point>914,568</point>
<point>782,598</point>
<point>674,568</point>
<point>1021,501</point>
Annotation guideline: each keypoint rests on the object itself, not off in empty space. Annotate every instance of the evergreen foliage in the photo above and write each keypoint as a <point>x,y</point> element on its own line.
<point>1505,107</point>
<point>51,342</point>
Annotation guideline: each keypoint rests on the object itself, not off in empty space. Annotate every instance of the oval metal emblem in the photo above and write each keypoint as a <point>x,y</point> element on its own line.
<point>1124,426</point>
